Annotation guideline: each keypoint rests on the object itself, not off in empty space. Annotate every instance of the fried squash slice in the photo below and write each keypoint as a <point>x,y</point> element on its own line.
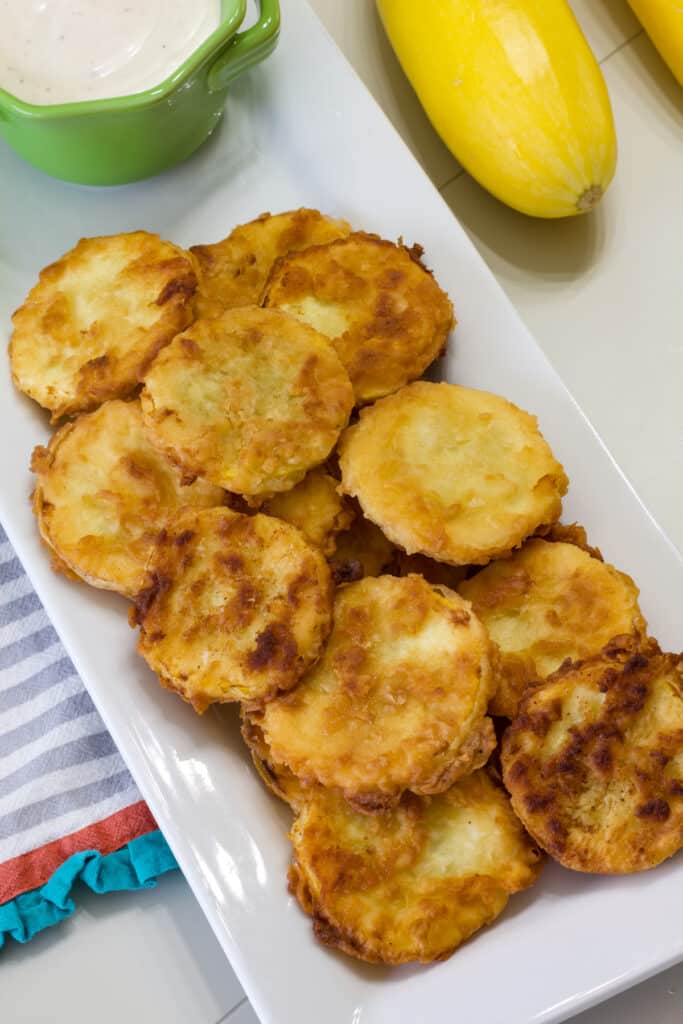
<point>594,760</point>
<point>316,508</point>
<point>96,319</point>
<point>412,883</point>
<point>361,550</point>
<point>235,607</point>
<point>569,533</point>
<point>276,777</point>
<point>546,603</point>
<point>450,576</point>
<point>458,475</point>
<point>397,700</point>
<point>103,493</point>
<point>386,315</point>
<point>250,400</point>
<point>233,272</point>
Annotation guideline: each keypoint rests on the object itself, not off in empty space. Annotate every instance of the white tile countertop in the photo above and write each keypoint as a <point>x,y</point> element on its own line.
<point>604,297</point>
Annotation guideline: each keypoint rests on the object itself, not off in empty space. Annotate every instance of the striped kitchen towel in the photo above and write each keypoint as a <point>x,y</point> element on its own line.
<point>64,788</point>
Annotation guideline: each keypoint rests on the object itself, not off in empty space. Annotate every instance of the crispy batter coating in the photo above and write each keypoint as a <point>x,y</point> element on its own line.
<point>360,551</point>
<point>103,493</point>
<point>276,777</point>
<point>233,272</point>
<point>545,603</point>
<point>450,576</point>
<point>594,761</point>
<point>316,508</point>
<point>97,318</point>
<point>415,882</point>
<point>363,550</point>
<point>236,607</point>
<point>383,310</point>
<point>569,533</point>
<point>459,475</point>
<point>250,400</point>
<point>397,700</point>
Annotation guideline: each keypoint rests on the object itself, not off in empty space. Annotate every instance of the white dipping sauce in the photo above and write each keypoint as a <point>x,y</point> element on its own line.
<point>62,51</point>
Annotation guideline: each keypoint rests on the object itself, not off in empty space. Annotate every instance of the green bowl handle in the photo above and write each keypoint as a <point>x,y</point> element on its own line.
<point>247,48</point>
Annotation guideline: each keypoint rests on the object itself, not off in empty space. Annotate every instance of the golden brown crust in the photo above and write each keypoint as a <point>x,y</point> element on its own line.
<point>282,781</point>
<point>233,272</point>
<point>569,533</point>
<point>473,754</point>
<point>412,883</point>
<point>276,777</point>
<point>594,760</point>
<point>459,475</point>
<point>360,551</point>
<point>434,572</point>
<point>235,608</point>
<point>250,400</point>
<point>397,700</point>
<point>316,508</point>
<point>103,493</point>
<point>385,313</point>
<point>544,604</point>
<point>96,319</point>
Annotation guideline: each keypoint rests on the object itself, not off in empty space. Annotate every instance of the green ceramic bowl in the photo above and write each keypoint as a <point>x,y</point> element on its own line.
<point>110,142</point>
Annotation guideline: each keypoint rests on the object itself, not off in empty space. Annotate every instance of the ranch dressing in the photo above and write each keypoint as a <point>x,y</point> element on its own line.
<point>62,51</point>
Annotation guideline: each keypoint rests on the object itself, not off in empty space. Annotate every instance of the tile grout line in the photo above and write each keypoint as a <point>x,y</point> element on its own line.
<point>621,46</point>
<point>236,1007</point>
<point>450,181</point>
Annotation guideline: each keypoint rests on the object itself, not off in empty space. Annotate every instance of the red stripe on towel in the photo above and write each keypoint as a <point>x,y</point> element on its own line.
<point>32,869</point>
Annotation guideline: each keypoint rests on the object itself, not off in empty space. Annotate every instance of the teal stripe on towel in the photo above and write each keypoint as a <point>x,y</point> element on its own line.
<point>135,866</point>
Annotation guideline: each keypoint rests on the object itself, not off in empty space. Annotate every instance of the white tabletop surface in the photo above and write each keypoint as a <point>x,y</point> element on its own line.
<point>604,296</point>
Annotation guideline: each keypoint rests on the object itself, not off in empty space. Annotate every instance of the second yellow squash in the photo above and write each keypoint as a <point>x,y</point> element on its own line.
<point>663,22</point>
<point>516,94</point>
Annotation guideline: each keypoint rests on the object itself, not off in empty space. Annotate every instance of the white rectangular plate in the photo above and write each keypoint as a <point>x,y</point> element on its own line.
<point>301,130</point>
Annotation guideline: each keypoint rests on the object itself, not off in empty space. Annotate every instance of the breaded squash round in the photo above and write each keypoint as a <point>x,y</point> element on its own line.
<point>316,508</point>
<point>415,882</point>
<point>276,777</point>
<point>235,608</point>
<point>233,272</point>
<point>459,475</point>
<point>103,493</point>
<point>450,576</point>
<point>360,551</point>
<point>97,318</point>
<point>594,760</point>
<point>250,400</point>
<point>569,533</point>
<point>386,315</point>
<point>545,603</point>
<point>397,700</point>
